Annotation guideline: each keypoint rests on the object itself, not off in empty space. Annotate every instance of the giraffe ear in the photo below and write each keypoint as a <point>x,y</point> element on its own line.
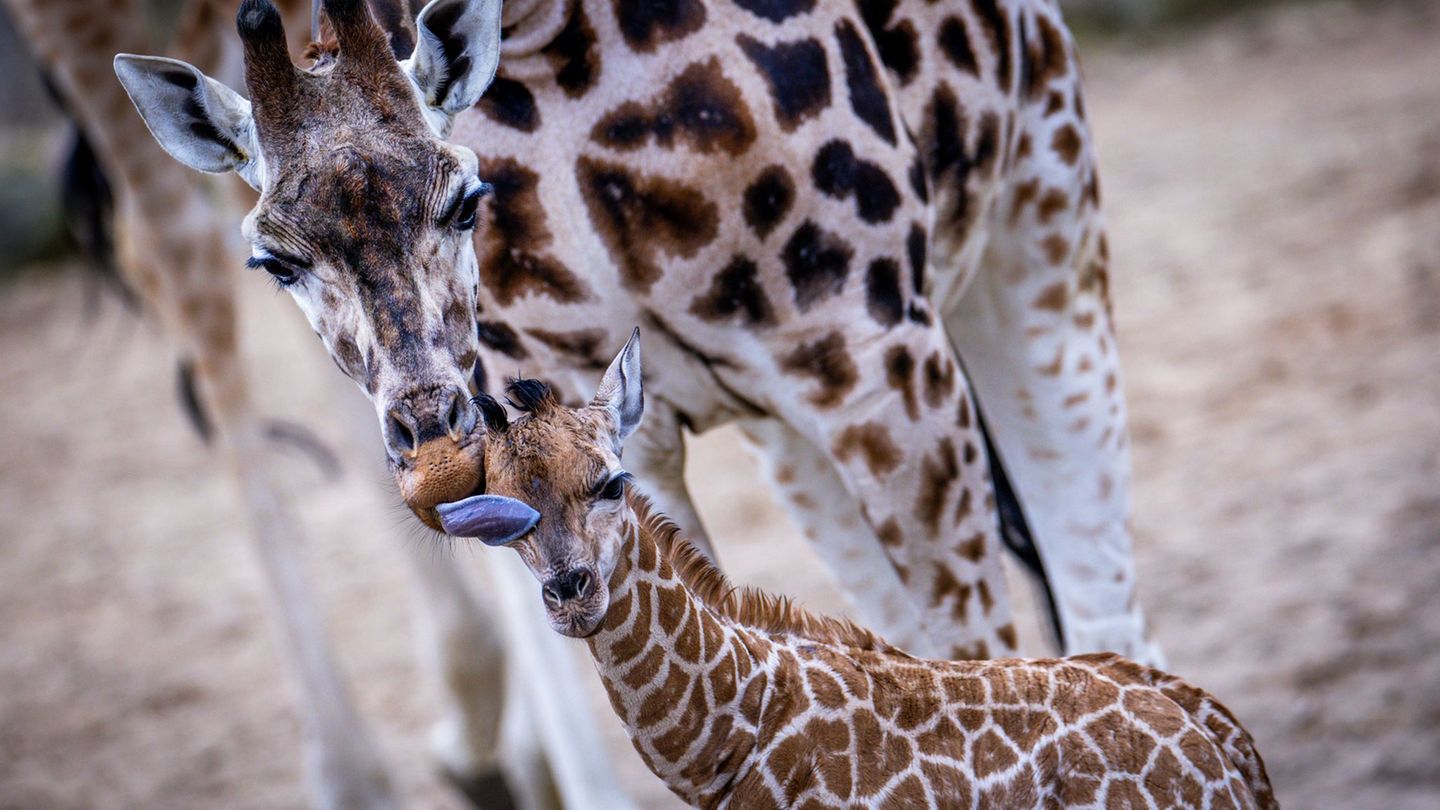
<point>456,53</point>
<point>199,121</point>
<point>621,391</point>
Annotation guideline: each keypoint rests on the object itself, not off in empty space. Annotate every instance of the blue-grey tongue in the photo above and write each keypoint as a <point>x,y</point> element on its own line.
<point>493,519</point>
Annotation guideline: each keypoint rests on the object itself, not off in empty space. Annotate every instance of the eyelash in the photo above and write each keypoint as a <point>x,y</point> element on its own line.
<point>616,484</point>
<point>465,211</point>
<point>281,273</point>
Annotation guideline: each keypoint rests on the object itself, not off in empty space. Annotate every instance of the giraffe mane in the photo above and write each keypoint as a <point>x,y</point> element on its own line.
<point>746,606</point>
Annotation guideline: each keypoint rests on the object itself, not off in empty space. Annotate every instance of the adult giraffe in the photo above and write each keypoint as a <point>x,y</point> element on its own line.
<point>804,202</point>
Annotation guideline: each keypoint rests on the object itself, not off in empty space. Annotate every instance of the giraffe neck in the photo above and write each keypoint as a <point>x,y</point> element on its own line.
<point>687,682</point>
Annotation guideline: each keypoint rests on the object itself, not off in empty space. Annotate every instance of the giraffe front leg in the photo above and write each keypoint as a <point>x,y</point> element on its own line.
<point>806,480</point>
<point>906,446</point>
<point>1036,335</point>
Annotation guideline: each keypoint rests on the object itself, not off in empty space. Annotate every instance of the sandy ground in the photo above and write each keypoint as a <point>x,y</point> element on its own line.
<point>1274,186</point>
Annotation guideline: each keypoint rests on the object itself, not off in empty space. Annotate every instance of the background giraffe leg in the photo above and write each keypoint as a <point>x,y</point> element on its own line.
<point>911,454</point>
<point>805,479</point>
<point>1036,334</point>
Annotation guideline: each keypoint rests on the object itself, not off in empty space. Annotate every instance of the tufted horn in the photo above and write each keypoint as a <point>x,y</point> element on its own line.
<point>362,40</point>
<point>270,76</point>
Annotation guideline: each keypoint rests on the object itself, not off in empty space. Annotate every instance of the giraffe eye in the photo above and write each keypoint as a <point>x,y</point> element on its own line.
<point>282,273</point>
<point>469,205</point>
<point>614,488</point>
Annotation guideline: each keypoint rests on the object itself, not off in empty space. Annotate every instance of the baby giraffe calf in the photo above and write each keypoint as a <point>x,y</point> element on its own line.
<point>742,700</point>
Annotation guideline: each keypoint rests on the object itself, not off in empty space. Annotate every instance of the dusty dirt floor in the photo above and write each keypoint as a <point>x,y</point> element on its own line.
<point>1274,183</point>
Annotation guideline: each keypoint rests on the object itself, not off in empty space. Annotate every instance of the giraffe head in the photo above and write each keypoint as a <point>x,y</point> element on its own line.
<point>555,490</point>
<point>365,214</point>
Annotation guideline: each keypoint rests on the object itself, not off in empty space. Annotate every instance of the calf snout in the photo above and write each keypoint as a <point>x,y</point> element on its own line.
<point>577,583</point>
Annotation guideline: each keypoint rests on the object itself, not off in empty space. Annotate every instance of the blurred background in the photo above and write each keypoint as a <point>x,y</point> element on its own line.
<point>1272,177</point>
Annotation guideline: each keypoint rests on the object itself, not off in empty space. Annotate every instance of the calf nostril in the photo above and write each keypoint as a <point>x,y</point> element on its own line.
<point>573,585</point>
<point>402,436</point>
<point>581,584</point>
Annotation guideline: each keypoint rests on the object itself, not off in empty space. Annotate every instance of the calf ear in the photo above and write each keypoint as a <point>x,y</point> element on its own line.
<point>456,53</point>
<point>199,121</point>
<point>621,390</point>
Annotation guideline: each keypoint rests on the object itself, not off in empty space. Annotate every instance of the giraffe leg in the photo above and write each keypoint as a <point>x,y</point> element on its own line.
<point>1035,331</point>
<point>459,640</point>
<point>806,480</point>
<point>912,455</point>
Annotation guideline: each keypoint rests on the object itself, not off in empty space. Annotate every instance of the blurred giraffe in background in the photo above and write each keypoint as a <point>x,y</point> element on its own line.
<point>176,254</point>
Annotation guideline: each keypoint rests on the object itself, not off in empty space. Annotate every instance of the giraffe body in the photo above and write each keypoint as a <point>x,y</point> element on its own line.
<point>737,699</point>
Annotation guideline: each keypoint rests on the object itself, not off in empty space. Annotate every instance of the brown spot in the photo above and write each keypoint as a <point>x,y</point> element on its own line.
<point>889,533</point>
<point>900,375</point>
<point>973,549</point>
<point>1066,143</point>
<point>639,216</point>
<point>939,379</point>
<point>1056,247</point>
<point>1051,203</point>
<point>646,25</point>
<point>797,75</point>
<point>700,107</point>
<point>937,473</point>
<point>1054,297</point>
<point>573,55</point>
<point>582,347</point>
<point>872,441</point>
<point>992,754</point>
<point>735,291</point>
<point>513,251</point>
<point>827,361</point>
<point>1045,58</point>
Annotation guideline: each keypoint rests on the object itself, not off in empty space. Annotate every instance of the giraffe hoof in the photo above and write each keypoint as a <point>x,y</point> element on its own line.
<point>484,791</point>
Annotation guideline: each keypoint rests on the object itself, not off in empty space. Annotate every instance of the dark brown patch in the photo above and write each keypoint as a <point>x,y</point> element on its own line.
<point>828,362</point>
<point>939,379</point>
<point>768,200</point>
<point>776,10</point>
<point>700,107</point>
<point>900,375</point>
<point>883,297</point>
<point>937,473</point>
<point>872,442</point>
<point>797,75</point>
<point>816,262</point>
<point>501,338</point>
<point>510,103</point>
<point>867,95</point>
<point>839,173</point>
<point>639,216</point>
<point>573,55</point>
<point>513,250</point>
<point>1042,59</point>
<point>582,347</point>
<point>1066,143</point>
<point>897,44</point>
<point>954,41</point>
<point>645,25</point>
<point>997,32</point>
<point>735,291</point>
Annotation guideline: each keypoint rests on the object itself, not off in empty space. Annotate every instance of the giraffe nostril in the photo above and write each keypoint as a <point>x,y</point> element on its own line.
<point>402,436</point>
<point>460,417</point>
